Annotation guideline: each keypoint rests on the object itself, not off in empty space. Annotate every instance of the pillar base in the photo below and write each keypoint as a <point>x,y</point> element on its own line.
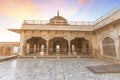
<point>35,57</point>
<point>69,53</point>
<point>41,54</point>
<point>46,54</point>
<point>21,54</point>
<point>58,57</point>
<point>78,56</point>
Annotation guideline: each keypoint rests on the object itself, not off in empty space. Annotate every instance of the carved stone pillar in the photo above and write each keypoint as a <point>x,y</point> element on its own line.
<point>38,47</point>
<point>69,38</point>
<point>94,45</point>
<point>28,48</point>
<point>22,44</point>
<point>47,47</point>
<point>119,46</point>
<point>69,49</point>
<point>34,48</point>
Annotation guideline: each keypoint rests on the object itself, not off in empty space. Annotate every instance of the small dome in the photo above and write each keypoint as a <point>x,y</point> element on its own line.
<point>58,20</point>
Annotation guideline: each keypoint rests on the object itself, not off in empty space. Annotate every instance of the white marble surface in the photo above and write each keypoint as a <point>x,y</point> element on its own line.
<point>53,69</point>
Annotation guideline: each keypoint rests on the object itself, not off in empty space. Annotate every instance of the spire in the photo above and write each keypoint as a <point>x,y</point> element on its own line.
<point>57,13</point>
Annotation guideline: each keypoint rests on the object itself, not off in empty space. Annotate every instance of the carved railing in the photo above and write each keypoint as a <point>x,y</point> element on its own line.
<point>47,22</point>
<point>107,15</point>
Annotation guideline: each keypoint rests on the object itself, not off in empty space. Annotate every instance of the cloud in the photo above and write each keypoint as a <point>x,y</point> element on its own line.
<point>36,9</point>
<point>85,2</point>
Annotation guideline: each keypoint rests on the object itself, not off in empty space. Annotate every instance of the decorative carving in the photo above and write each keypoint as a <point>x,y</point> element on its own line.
<point>108,45</point>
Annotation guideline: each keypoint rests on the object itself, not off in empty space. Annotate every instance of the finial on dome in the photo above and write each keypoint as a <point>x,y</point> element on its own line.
<point>57,13</point>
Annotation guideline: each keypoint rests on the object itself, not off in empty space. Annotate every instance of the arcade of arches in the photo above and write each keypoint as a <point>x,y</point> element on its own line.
<point>57,45</point>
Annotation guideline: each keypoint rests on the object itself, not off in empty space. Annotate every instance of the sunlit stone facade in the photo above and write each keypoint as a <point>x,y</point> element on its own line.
<point>58,36</point>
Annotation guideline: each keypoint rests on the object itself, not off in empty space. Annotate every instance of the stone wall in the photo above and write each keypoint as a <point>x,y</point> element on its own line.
<point>107,39</point>
<point>6,48</point>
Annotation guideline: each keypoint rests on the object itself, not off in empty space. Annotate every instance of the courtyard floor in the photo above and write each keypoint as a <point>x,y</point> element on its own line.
<point>53,69</point>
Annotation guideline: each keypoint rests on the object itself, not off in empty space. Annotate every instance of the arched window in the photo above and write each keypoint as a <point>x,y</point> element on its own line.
<point>108,45</point>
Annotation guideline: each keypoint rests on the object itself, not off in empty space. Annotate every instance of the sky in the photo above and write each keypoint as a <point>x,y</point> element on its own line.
<point>13,12</point>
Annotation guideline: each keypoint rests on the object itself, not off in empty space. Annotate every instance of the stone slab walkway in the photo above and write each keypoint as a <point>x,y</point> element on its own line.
<point>53,69</point>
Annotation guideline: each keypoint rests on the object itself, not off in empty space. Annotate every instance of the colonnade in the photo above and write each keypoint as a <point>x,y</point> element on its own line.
<point>49,46</point>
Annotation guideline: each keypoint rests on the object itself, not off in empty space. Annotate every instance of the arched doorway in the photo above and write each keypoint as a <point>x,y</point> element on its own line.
<point>35,44</point>
<point>58,45</point>
<point>80,46</point>
<point>108,47</point>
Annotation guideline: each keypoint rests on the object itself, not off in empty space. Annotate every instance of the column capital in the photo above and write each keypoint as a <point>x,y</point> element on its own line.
<point>68,38</point>
<point>47,37</point>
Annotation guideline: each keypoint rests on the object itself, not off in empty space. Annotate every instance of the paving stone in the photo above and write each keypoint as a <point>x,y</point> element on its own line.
<point>53,69</point>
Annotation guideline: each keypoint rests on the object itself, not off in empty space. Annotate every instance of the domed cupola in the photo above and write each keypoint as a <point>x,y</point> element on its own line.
<point>58,20</point>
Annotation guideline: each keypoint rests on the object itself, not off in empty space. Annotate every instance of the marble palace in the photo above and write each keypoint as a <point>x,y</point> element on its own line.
<point>60,37</point>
